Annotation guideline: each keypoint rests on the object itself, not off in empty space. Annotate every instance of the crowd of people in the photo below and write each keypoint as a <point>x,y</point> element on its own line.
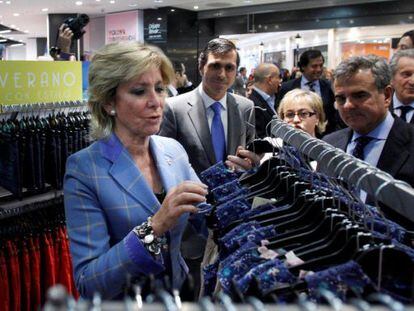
<point>131,197</point>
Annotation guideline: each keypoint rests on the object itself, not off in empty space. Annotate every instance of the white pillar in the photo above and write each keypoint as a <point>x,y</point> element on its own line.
<point>332,61</point>
<point>289,53</point>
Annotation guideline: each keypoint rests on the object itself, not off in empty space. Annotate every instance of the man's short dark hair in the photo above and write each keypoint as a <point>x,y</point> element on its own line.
<point>217,46</point>
<point>410,34</point>
<point>242,69</point>
<point>306,57</point>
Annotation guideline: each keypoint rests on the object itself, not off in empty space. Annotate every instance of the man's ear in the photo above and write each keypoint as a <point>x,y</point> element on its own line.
<point>388,91</point>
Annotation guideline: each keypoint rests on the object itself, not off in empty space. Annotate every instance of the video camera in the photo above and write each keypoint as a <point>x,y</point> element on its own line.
<point>76,24</point>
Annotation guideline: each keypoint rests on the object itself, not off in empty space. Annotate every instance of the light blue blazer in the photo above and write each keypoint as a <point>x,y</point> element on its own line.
<point>106,196</point>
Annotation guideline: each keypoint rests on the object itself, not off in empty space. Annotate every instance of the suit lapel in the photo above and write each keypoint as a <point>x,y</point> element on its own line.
<point>197,115</point>
<point>163,160</point>
<point>395,153</point>
<point>234,123</point>
<point>343,140</point>
<point>125,172</point>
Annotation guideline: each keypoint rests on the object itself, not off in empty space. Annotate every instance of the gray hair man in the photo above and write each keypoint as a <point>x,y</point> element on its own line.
<point>402,71</point>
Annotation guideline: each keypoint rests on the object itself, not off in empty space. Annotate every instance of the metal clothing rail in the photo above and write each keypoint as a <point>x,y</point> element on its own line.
<point>41,106</point>
<point>396,194</point>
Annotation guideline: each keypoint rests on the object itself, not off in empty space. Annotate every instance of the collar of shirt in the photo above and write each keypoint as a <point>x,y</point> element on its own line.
<point>172,89</point>
<point>396,103</point>
<point>208,101</point>
<point>316,85</point>
<point>270,100</point>
<point>381,131</point>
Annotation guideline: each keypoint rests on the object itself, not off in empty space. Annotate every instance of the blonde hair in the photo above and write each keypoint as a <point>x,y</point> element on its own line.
<point>114,64</point>
<point>314,100</point>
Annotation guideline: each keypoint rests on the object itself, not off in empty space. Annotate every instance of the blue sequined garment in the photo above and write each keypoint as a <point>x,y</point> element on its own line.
<point>218,174</point>
<point>228,191</point>
<point>254,235</point>
<point>230,211</point>
<point>342,280</point>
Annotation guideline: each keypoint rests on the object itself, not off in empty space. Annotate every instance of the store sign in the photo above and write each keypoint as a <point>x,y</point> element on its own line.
<point>26,82</point>
<point>155,31</point>
<point>121,27</point>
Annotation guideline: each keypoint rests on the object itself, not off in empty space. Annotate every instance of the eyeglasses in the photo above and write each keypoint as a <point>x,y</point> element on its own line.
<point>302,114</point>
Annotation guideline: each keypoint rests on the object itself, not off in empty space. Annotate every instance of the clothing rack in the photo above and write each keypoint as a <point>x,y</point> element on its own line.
<point>41,106</point>
<point>396,194</point>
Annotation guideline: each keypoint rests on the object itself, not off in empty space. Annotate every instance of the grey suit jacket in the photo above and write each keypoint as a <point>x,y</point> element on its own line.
<point>185,120</point>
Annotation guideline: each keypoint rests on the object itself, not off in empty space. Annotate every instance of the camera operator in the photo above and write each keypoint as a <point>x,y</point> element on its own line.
<point>64,42</point>
<point>71,29</point>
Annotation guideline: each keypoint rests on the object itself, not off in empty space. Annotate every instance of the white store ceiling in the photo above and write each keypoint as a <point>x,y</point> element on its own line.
<point>30,16</point>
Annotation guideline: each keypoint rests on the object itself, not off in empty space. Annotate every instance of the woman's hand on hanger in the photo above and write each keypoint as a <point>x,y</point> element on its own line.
<point>243,160</point>
<point>179,200</point>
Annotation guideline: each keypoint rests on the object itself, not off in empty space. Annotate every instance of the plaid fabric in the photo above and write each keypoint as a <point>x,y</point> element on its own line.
<point>106,196</point>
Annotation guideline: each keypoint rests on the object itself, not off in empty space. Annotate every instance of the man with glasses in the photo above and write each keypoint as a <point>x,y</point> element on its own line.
<point>266,85</point>
<point>363,94</point>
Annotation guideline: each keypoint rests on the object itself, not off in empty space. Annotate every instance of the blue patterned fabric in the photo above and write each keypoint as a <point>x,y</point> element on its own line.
<point>240,230</point>
<point>230,211</point>
<point>210,278</point>
<point>228,191</point>
<point>217,175</point>
<point>236,268</point>
<point>106,196</point>
<point>341,280</point>
<point>244,282</point>
<point>255,236</point>
<point>277,275</point>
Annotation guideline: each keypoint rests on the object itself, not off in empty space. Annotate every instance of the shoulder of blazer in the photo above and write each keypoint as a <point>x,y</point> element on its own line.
<point>184,99</point>
<point>338,136</point>
<point>242,102</point>
<point>402,133</point>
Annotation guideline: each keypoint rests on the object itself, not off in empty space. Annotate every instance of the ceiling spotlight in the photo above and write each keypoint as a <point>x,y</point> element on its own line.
<point>45,9</point>
<point>78,2</point>
<point>172,10</point>
<point>247,1</point>
<point>16,14</point>
<point>132,5</point>
<point>98,0</point>
<point>196,7</point>
<point>158,1</point>
<point>12,26</point>
<point>8,2</point>
<point>112,1</point>
<point>159,18</point>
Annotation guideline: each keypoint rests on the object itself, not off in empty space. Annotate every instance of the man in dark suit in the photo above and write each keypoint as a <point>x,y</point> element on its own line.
<point>311,65</point>
<point>402,72</point>
<point>212,125</point>
<point>266,86</point>
<point>239,86</point>
<point>363,94</point>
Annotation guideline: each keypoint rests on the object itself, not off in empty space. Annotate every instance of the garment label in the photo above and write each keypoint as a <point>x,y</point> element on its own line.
<point>258,201</point>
